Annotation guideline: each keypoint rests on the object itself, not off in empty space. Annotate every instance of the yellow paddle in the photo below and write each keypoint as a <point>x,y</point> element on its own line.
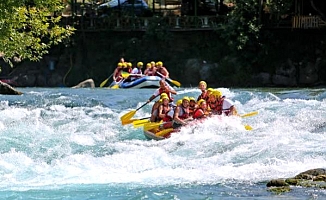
<point>140,123</point>
<point>164,132</point>
<point>130,114</point>
<point>249,114</point>
<point>247,127</point>
<point>129,121</point>
<point>105,81</point>
<point>125,74</point>
<point>152,125</point>
<point>174,82</point>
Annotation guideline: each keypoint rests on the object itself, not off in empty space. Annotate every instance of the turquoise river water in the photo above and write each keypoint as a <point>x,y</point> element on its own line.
<point>64,143</point>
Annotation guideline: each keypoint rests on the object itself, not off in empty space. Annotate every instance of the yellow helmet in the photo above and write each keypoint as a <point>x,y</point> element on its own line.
<point>210,89</point>
<point>159,63</point>
<point>203,83</point>
<point>152,63</point>
<point>164,95</point>
<point>140,64</point>
<point>124,65</point>
<point>186,98</point>
<point>120,64</point>
<point>129,64</point>
<point>179,102</point>
<point>148,65</point>
<point>217,93</point>
<point>201,101</point>
<point>192,99</point>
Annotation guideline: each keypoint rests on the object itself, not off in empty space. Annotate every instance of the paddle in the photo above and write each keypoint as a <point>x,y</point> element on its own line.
<point>139,123</point>
<point>130,114</point>
<point>249,114</point>
<point>105,81</point>
<point>164,132</point>
<point>152,125</point>
<point>174,82</point>
<point>129,121</point>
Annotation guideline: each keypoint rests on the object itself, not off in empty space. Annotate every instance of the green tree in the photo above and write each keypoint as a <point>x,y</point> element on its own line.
<point>28,28</point>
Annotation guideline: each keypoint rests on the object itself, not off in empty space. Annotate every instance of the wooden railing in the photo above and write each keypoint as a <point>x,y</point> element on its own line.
<point>143,23</point>
<point>173,23</point>
<point>307,22</point>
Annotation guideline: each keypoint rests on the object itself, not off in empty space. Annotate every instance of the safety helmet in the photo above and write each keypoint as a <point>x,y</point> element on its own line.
<point>179,102</point>
<point>192,99</point>
<point>148,65</point>
<point>186,98</point>
<point>200,101</point>
<point>129,64</point>
<point>152,63</point>
<point>124,65</point>
<point>159,63</point>
<point>120,64</point>
<point>140,64</point>
<point>217,93</point>
<point>163,95</point>
<point>203,83</point>
<point>210,89</point>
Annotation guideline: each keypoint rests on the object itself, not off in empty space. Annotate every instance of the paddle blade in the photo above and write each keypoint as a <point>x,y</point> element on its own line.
<point>104,82</point>
<point>249,114</point>
<point>176,83</point>
<point>139,123</point>
<point>125,74</point>
<point>248,127</point>
<point>115,86</point>
<point>126,117</point>
<point>127,121</point>
<point>152,125</point>
<point>164,132</point>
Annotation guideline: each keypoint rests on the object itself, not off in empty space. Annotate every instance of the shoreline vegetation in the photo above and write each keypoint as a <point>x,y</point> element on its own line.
<point>249,49</point>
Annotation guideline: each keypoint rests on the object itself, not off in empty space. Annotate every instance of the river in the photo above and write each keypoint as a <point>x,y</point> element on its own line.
<point>64,143</point>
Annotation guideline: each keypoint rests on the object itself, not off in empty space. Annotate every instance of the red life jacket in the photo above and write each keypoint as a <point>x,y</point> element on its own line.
<point>203,96</point>
<point>161,71</point>
<point>165,110</point>
<point>199,113</point>
<point>161,90</point>
<point>184,113</point>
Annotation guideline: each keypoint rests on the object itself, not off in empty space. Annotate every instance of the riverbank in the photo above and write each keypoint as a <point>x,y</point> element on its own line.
<point>288,59</point>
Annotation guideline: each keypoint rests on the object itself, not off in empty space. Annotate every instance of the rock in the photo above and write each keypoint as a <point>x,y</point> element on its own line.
<point>262,79</point>
<point>87,83</point>
<point>7,89</point>
<point>277,183</point>
<point>308,74</point>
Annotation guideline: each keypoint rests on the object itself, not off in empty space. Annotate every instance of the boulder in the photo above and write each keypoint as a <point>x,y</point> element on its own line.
<point>89,83</point>
<point>7,89</point>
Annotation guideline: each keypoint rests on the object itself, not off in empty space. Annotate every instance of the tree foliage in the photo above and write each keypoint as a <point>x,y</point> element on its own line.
<point>28,28</point>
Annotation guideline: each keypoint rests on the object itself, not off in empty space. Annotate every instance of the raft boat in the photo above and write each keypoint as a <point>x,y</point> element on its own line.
<point>142,82</point>
<point>160,135</point>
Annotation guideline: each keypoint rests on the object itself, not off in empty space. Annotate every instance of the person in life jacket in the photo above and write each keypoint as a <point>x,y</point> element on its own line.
<point>149,70</point>
<point>161,70</point>
<point>192,105</point>
<point>164,109</point>
<point>136,71</point>
<point>221,105</point>
<point>164,88</point>
<point>155,108</point>
<point>117,72</point>
<point>181,114</point>
<point>204,92</point>
<point>201,111</point>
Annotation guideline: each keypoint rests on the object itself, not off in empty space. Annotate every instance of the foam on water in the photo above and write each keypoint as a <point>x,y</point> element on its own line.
<point>64,140</point>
